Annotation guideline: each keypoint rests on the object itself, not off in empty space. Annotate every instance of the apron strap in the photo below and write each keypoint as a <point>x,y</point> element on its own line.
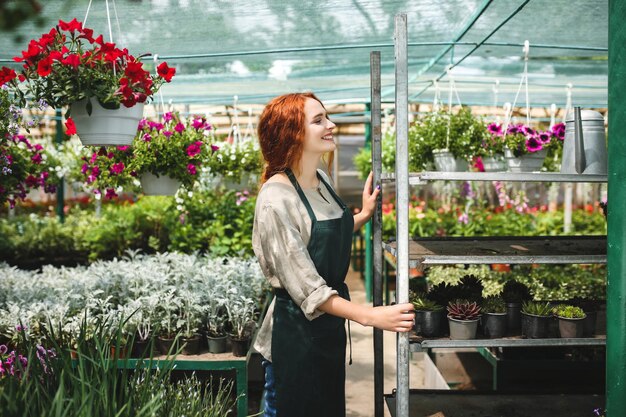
<point>303,198</point>
<point>332,192</point>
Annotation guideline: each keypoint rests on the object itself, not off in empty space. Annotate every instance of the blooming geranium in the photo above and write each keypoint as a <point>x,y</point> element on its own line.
<point>68,64</point>
<point>176,148</point>
<point>23,164</point>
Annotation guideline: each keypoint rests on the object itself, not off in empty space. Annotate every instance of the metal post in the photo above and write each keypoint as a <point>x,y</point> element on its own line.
<point>60,187</point>
<point>616,239</point>
<point>368,225</point>
<point>377,224</point>
<point>402,207</point>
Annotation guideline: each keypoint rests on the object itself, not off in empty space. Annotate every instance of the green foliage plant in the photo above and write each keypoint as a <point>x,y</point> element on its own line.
<point>442,293</point>
<point>537,308</point>
<point>421,303</point>
<point>493,304</point>
<point>470,288</point>
<point>569,311</point>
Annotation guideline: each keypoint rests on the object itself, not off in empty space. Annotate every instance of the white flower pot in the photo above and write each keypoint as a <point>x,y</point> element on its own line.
<point>105,127</point>
<point>530,162</point>
<point>446,162</point>
<point>162,185</point>
<point>494,164</point>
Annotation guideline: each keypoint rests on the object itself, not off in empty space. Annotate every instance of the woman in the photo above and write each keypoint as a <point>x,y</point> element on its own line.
<point>302,237</point>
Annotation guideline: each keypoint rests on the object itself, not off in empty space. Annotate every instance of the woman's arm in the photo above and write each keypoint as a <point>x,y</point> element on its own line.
<point>369,203</point>
<point>395,318</point>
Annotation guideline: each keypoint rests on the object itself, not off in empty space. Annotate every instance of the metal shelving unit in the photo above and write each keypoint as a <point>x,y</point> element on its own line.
<point>476,250</point>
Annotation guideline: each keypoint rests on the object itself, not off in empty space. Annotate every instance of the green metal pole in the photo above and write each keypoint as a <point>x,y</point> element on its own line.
<point>60,188</point>
<point>616,237</point>
<point>368,226</point>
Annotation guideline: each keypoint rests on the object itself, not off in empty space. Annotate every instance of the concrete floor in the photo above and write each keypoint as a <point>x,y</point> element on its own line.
<point>360,375</point>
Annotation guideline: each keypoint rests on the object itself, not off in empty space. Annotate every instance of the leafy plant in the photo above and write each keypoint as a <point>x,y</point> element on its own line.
<point>569,311</point>
<point>421,303</point>
<point>537,308</point>
<point>493,304</point>
<point>442,293</point>
<point>516,292</point>
<point>463,310</point>
<point>232,161</point>
<point>470,288</point>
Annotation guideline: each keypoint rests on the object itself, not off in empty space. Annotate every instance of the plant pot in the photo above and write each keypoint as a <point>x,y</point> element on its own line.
<point>446,162</point>
<point>589,326</point>
<point>239,346</point>
<point>535,327</point>
<point>105,127</point>
<point>243,184</point>
<point>158,185</point>
<point>217,344</point>
<point>529,162</point>
<point>494,163</point>
<point>142,349</point>
<point>571,328</point>
<point>122,352</point>
<point>428,323</point>
<point>462,329</point>
<point>513,317</point>
<point>191,345</point>
<point>166,345</point>
<point>494,325</point>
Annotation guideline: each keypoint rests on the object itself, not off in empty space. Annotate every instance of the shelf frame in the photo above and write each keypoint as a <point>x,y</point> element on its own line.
<point>419,344</point>
<point>421,178</point>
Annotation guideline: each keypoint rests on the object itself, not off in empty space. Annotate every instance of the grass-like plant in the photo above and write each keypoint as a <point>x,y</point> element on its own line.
<point>537,308</point>
<point>493,304</point>
<point>424,304</point>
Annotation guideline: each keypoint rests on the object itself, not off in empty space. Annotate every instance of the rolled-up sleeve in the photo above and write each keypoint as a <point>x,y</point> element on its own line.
<point>285,256</point>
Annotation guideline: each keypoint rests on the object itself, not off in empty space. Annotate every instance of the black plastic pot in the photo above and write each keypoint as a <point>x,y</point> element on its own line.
<point>589,326</point>
<point>429,323</point>
<point>217,344</point>
<point>535,327</point>
<point>570,328</point>
<point>494,325</point>
<point>142,348</point>
<point>513,317</point>
<point>191,345</point>
<point>166,345</point>
<point>239,346</point>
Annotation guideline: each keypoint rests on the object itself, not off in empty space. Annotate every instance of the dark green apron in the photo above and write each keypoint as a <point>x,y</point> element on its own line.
<point>309,356</point>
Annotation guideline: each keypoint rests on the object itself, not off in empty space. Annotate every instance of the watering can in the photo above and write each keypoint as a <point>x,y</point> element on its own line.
<point>584,148</point>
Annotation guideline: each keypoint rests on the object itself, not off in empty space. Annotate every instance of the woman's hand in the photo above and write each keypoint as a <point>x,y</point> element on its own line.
<point>369,203</point>
<point>395,318</point>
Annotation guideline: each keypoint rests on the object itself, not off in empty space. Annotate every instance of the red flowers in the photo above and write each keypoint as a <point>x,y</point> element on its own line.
<point>68,63</point>
<point>70,127</point>
<point>166,72</point>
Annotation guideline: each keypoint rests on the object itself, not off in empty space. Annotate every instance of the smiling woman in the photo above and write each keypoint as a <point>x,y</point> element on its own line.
<point>302,236</point>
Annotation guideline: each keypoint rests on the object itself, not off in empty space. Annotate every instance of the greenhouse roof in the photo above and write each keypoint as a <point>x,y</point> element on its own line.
<point>257,49</point>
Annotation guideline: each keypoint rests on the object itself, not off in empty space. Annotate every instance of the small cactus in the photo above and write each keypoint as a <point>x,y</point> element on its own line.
<point>463,310</point>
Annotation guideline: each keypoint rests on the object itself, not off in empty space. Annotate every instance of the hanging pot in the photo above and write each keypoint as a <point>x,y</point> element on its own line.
<point>494,325</point>
<point>158,185</point>
<point>530,162</point>
<point>494,163</point>
<point>105,127</point>
<point>462,329</point>
<point>446,162</point>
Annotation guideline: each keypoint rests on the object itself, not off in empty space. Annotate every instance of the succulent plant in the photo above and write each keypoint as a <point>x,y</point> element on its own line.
<point>569,311</point>
<point>493,304</point>
<point>516,292</point>
<point>463,310</point>
<point>470,288</point>
<point>423,304</point>
<point>537,308</point>
<point>443,293</point>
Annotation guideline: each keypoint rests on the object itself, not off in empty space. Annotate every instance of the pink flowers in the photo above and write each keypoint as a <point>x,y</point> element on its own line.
<point>117,169</point>
<point>179,127</point>
<point>194,149</point>
<point>191,168</point>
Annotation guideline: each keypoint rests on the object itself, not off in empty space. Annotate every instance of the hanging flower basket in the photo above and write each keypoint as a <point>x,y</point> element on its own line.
<point>105,127</point>
<point>446,162</point>
<point>162,185</point>
<point>530,162</point>
<point>494,163</point>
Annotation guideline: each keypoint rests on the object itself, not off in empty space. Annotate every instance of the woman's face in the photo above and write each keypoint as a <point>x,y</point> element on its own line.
<point>318,130</point>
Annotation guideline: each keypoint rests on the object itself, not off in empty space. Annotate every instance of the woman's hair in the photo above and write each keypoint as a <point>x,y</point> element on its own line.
<point>281,133</point>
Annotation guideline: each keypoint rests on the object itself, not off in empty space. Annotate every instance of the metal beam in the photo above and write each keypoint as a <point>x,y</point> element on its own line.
<point>377,225</point>
<point>60,186</point>
<point>402,206</point>
<point>616,238</point>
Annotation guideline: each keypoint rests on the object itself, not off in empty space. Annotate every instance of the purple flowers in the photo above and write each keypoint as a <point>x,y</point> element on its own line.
<point>495,129</point>
<point>117,169</point>
<point>533,144</point>
<point>558,130</point>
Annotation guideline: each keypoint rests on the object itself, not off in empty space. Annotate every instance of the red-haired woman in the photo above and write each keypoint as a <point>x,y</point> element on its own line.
<point>302,237</point>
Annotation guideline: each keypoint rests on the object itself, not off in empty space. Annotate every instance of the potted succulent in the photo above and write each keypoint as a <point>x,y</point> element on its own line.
<point>241,311</point>
<point>170,154</point>
<point>493,320</point>
<point>470,288</point>
<point>536,317</point>
<point>514,294</point>
<point>463,317</point>
<point>571,320</point>
<point>105,86</point>
<point>428,316</point>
